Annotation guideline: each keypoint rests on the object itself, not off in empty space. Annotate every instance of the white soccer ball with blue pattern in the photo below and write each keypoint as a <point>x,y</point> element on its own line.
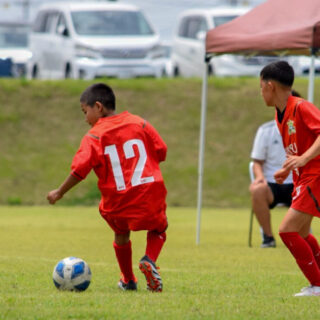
<point>72,274</point>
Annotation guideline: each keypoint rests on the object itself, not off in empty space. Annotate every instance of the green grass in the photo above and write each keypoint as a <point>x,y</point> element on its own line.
<point>219,279</point>
<point>42,125</point>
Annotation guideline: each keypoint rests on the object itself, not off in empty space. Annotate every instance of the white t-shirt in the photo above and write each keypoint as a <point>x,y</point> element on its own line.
<point>268,147</point>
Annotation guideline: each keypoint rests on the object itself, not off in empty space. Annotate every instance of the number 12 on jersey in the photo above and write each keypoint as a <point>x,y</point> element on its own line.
<point>137,178</point>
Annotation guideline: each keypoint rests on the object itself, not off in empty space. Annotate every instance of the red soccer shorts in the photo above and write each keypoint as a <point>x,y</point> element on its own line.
<point>306,196</point>
<point>151,222</point>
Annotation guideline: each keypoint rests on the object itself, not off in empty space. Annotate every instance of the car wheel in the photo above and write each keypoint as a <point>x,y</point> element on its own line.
<point>176,72</point>
<point>35,72</point>
<point>68,71</point>
<point>82,74</point>
<point>164,73</point>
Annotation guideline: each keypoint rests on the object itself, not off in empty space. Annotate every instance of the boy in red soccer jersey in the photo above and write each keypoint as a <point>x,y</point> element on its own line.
<point>299,125</point>
<point>124,150</point>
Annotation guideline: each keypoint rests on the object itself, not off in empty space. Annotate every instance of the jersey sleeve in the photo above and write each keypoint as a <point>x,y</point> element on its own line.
<point>310,115</point>
<point>83,161</point>
<point>158,143</point>
<point>259,149</point>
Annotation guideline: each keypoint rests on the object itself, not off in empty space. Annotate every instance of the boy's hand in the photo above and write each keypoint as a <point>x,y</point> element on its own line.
<point>281,175</point>
<point>53,196</point>
<point>294,162</point>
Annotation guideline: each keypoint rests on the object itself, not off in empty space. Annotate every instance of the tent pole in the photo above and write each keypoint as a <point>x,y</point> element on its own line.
<point>202,145</point>
<point>311,78</point>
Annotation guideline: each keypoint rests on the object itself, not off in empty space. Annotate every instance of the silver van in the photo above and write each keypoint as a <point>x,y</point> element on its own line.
<point>188,47</point>
<point>88,40</point>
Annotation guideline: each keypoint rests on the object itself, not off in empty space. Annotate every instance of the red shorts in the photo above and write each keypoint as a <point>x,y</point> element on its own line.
<point>306,196</point>
<point>151,222</point>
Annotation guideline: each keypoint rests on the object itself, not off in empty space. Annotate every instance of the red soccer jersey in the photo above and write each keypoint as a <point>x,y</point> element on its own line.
<point>299,128</point>
<point>124,151</point>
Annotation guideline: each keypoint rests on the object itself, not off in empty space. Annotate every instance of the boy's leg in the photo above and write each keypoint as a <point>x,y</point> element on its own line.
<point>123,250</point>
<point>294,223</point>
<point>314,245</point>
<point>155,242</point>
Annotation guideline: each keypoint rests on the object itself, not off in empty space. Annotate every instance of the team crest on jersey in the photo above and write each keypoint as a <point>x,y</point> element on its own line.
<point>291,127</point>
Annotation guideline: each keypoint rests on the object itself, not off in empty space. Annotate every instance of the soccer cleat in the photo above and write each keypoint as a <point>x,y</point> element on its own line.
<point>150,271</point>
<point>130,285</point>
<point>309,291</point>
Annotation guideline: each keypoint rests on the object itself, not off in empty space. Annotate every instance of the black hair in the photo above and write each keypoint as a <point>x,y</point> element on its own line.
<point>99,92</point>
<point>295,93</point>
<point>280,71</point>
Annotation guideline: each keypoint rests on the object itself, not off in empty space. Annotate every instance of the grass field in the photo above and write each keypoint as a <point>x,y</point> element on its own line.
<point>219,279</point>
<point>42,125</point>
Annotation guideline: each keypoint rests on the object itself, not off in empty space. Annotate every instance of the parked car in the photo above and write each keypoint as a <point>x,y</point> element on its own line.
<point>14,50</point>
<point>6,67</point>
<point>301,64</point>
<point>188,48</point>
<point>165,62</point>
<point>89,40</point>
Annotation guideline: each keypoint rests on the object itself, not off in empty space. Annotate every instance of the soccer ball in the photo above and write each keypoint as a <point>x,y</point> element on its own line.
<point>72,274</point>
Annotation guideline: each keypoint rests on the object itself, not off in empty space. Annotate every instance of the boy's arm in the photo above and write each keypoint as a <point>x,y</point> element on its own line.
<point>82,164</point>
<point>159,144</point>
<point>299,161</point>
<point>281,175</point>
<point>57,194</point>
<point>294,162</point>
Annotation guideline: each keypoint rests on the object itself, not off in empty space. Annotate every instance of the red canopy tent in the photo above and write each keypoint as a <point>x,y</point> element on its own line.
<point>276,27</point>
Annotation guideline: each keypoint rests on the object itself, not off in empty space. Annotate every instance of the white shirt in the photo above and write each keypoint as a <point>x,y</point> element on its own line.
<point>268,147</point>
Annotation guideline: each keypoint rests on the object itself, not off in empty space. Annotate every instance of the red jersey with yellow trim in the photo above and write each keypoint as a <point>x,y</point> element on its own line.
<point>299,128</point>
<point>124,150</point>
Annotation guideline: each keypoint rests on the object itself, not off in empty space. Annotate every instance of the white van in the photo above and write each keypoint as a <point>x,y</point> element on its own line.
<point>188,48</point>
<point>14,45</point>
<point>88,40</point>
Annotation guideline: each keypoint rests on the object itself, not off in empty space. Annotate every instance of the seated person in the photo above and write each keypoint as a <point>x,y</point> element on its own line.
<point>268,155</point>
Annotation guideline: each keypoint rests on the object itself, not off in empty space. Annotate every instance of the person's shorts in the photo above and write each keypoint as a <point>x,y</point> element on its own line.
<point>306,196</point>
<point>122,225</point>
<point>282,193</point>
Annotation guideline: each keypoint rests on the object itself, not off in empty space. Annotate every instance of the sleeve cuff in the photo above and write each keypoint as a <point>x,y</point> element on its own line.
<point>76,175</point>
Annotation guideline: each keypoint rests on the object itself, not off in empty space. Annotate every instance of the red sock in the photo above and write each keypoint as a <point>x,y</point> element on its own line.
<point>303,254</point>
<point>155,243</point>
<point>314,245</point>
<point>124,257</point>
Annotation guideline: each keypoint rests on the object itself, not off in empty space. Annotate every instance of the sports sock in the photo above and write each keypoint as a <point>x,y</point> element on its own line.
<point>155,243</point>
<point>303,254</point>
<point>314,245</point>
<point>124,257</point>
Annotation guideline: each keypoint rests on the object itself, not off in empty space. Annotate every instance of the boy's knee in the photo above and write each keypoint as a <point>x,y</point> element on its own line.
<point>155,233</point>
<point>121,239</point>
<point>283,228</point>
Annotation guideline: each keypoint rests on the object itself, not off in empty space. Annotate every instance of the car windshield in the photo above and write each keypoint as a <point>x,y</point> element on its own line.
<point>13,37</point>
<point>110,23</point>
<point>217,21</point>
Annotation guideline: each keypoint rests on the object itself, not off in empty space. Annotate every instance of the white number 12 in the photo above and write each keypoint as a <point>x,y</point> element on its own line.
<point>129,153</point>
